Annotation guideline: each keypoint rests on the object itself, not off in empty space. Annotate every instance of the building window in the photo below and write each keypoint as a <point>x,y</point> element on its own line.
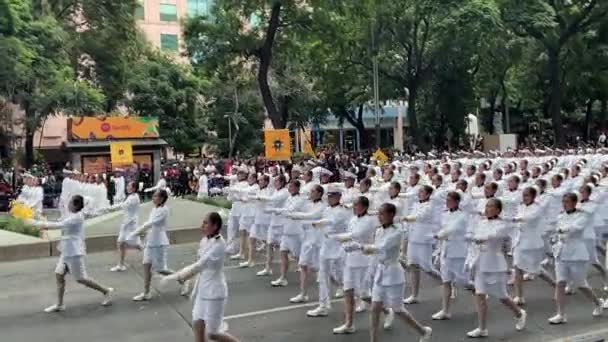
<point>168,12</point>
<point>140,13</point>
<point>168,42</point>
<point>199,8</point>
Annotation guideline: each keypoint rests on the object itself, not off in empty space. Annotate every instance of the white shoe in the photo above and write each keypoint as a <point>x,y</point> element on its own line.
<point>569,290</point>
<point>441,315</point>
<point>361,307</point>
<point>529,276</point>
<point>343,329</point>
<point>428,332</point>
<point>558,319</point>
<point>142,297</point>
<point>388,319</point>
<point>477,333</point>
<point>246,264</point>
<point>410,300</point>
<point>118,268</point>
<point>521,320</point>
<point>237,257</point>
<point>107,298</point>
<point>54,308</point>
<point>299,299</point>
<point>320,311</point>
<point>519,301</point>
<point>185,289</point>
<point>599,309</point>
<point>263,273</point>
<point>339,293</point>
<point>281,282</point>
<point>605,303</point>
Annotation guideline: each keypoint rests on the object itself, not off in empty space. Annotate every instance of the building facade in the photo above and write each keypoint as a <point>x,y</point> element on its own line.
<point>161,20</point>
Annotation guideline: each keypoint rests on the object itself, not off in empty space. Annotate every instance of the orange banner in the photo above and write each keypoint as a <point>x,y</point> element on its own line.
<point>102,128</point>
<point>277,144</point>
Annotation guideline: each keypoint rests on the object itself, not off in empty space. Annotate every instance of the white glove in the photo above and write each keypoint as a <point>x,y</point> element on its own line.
<point>164,281</point>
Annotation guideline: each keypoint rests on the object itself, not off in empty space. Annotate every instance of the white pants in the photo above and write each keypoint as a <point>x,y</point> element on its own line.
<point>329,269</point>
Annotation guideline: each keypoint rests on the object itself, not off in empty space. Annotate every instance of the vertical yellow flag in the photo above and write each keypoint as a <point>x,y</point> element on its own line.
<point>277,144</point>
<point>121,152</point>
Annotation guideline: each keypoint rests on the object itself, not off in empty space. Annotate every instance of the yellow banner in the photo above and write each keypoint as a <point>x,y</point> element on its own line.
<point>380,157</point>
<point>308,144</point>
<point>121,153</point>
<point>277,144</point>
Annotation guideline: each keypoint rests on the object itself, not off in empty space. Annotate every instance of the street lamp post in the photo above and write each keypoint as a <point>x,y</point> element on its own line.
<point>376,86</point>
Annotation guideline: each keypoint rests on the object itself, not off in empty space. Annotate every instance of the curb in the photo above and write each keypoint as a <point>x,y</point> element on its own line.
<point>594,336</point>
<point>95,244</point>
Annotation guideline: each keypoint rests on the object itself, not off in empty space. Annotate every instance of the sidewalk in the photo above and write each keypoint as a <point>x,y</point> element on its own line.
<point>185,218</point>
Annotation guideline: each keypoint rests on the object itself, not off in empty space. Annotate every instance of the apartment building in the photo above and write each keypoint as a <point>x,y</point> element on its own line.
<point>160,20</point>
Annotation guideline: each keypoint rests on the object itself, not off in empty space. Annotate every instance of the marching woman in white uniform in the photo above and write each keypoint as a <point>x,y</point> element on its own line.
<point>156,244</point>
<point>528,244</point>
<point>453,251</point>
<point>591,206</point>
<point>389,280</point>
<point>73,251</point>
<point>129,223</point>
<point>291,239</point>
<point>572,258</point>
<point>211,292</point>
<point>275,228</point>
<point>247,214</point>
<point>261,220</point>
<point>335,220</point>
<point>311,241</point>
<point>422,227</point>
<point>234,195</point>
<point>489,266</point>
<point>361,230</point>
<point>203,186</point>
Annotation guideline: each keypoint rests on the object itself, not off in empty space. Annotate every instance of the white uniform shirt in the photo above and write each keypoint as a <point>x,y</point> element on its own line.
<point>361,230</point>
<point>453,233</point>
<point>210,266</point>
<point>529,232</point>
<point>72,241</point>
<point>157,222</point>
<point>387,250</point>
<point>571,246</point>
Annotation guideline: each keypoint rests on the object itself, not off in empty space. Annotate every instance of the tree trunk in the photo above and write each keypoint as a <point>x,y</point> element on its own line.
<point>265,57</point>
<point>588,116</point>
<point>603,112</point>
<point>29,147</point>
<point>412,114</point>
<point>555,98</point>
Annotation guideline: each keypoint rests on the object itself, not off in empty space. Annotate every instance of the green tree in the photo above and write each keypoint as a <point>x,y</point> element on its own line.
<point>553,24</point>
<point>160,87</point>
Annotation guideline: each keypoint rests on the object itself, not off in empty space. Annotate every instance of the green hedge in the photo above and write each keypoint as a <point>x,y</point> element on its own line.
<point>16,225</point>
<point>217,201</point>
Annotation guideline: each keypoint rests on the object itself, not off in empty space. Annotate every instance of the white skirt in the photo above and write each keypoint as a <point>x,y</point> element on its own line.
<point>420,254</point>
<point>309,256</point>
<point>259,232</point>
<point>211,311</point>
<point>528,260</point>
<point>246,222</point>
<point>274,235</point>
<point>453,271</point>
<point>572,272</point>
<point>157,257</point>
<point>491,283</point>
<point>72,265</point>
<point>357,279</point>
<point>390,296</point>
<point>125,231</point>
<point>291,244</point>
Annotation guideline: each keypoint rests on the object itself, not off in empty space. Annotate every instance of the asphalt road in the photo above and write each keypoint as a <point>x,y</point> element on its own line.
<point>255,311</point>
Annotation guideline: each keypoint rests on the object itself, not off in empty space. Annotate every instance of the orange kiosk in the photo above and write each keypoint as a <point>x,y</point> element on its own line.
<point>90,139</point>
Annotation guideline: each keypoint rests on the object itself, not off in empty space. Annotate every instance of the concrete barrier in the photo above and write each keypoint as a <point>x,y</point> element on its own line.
<point>25,251</point>
<point>95,244</point>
